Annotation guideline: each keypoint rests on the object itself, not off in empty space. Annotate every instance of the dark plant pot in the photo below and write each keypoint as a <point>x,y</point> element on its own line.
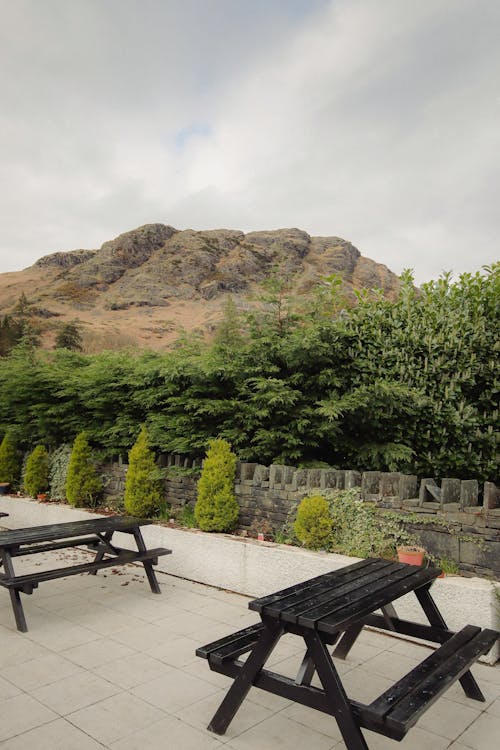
<point>4,488</point>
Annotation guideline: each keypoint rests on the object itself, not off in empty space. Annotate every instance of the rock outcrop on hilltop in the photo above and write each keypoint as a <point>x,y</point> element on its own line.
<point>146,284</point>
<point>156,262</point>
<point>64,259</point>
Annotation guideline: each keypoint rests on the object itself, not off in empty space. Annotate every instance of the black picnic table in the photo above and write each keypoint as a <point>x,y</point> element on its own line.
<point>332,609</point>
<point>95,533</point>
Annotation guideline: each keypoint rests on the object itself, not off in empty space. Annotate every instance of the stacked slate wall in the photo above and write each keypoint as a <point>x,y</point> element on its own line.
<point>268,496</point>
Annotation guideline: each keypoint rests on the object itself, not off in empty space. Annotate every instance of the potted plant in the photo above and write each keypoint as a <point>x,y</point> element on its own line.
<point>411,554</point>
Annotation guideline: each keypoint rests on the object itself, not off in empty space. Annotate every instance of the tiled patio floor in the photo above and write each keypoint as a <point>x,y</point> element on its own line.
<point>107,664</point>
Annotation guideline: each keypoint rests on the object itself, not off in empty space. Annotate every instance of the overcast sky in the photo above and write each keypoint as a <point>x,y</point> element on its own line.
<point>374,120</point>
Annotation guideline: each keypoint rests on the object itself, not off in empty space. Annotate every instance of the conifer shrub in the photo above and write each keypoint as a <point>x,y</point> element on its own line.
<point>313,524</point>
<point>58,474</point>
<point>216,508</point>
<point>143,491</point>
<point>10,465</point>
<point>83,486</point>
<point>36,473</point>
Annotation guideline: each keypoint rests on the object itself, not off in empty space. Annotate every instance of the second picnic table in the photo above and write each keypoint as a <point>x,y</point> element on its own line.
<point>95,533</point>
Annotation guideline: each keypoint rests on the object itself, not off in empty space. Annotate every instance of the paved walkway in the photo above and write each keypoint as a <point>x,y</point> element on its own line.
<point>107,664</point>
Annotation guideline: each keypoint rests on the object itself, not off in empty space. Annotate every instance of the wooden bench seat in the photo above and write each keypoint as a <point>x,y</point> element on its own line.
<point>400,707</point>
<point>233,645</point>
<point>26,583</point>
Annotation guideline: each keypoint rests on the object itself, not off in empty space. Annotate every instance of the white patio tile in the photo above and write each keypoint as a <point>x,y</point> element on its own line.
<point>180,690</point>
<point>56,735</point>
<point>74,692</point>
<point>115,718</point>
<point>21,713</point>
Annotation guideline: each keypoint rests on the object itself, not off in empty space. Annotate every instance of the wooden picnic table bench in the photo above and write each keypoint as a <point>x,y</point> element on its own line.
<point>332,609</point>
<point>96,534</point>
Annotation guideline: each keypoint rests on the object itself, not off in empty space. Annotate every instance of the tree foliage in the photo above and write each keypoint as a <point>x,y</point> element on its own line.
<point>216,508</point>
<point>10,465</point>
<point>36,474</point>
<point>83,485</point>
<point>407,384</point>
<point>69,337</point>
<point>143,493</point>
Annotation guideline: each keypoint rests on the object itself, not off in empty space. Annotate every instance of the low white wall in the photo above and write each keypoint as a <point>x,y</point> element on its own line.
<point>257,568</point>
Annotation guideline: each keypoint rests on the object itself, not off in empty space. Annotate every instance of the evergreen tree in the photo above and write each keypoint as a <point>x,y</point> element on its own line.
<point>10,465</point>
<point>216,508</point>
<point>143,494</point>
<point>83,486</point>
<point>69,337</point>
<point>36,474</point>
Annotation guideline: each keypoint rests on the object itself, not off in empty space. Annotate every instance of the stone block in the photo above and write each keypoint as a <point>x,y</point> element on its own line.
<point>276,476</point>
<point>261,474</point>
<point>469,492</point>
<point>340,479</point>
<point>352,479</point>
<point>408,486</point>
<point>450,490</point>
<point>411,503</point>
<point>328,480</point>
<point>389,483</point>
<point>370,483</point>
<point>425,490</point>
<point>245,471</point>
<point>485,556</point>
<point>298,480</point>
<point>314,478</point>
<point>491,496</point>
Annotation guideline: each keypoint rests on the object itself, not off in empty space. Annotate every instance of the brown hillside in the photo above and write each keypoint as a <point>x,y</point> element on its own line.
<point>146,284</point>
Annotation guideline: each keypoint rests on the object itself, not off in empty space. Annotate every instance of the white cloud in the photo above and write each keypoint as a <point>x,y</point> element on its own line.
<point>375,121</point>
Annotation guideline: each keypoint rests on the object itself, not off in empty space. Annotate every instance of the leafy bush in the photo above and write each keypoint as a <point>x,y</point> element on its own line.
<point>83,486</point>
<point>216,508</point>
<point>9,461</point>
<point>313,525</point>
<point>143,492</point>
<point>359,529</point>
<point>36,475</point>
<point>58,474</point>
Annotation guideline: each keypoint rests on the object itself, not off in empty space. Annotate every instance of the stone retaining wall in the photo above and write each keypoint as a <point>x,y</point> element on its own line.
<point>268,496</point>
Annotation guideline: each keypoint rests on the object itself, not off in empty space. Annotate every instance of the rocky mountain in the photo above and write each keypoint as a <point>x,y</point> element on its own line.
<point>147,283</point>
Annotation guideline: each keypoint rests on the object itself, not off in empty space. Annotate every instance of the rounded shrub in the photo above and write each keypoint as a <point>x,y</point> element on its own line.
<point>216,508</point>
<point>10,466</point>
<point>313,525</point>
<point>36,473</point>
<point>143,492</point>
<point>83,486</point>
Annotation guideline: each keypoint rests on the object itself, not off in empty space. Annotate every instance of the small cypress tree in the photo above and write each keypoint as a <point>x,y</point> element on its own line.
<point>216,508</point>
<point>36,474</point>
<point>10,465</point>
<point>83,486</point>
<point>143,494</point>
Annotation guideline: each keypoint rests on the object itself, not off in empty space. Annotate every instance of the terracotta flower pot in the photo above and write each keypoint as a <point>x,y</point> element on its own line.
<point>42,496</point>
<point>411,555</point>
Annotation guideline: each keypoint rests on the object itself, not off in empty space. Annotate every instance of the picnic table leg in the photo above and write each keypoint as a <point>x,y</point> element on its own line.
<point>243,682</point>
<point>335,693</point>
<point>102,551</point>
<point>467,681</point>
<point>347,641</point>
<point>148,566</point>
<point>15,595</point>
